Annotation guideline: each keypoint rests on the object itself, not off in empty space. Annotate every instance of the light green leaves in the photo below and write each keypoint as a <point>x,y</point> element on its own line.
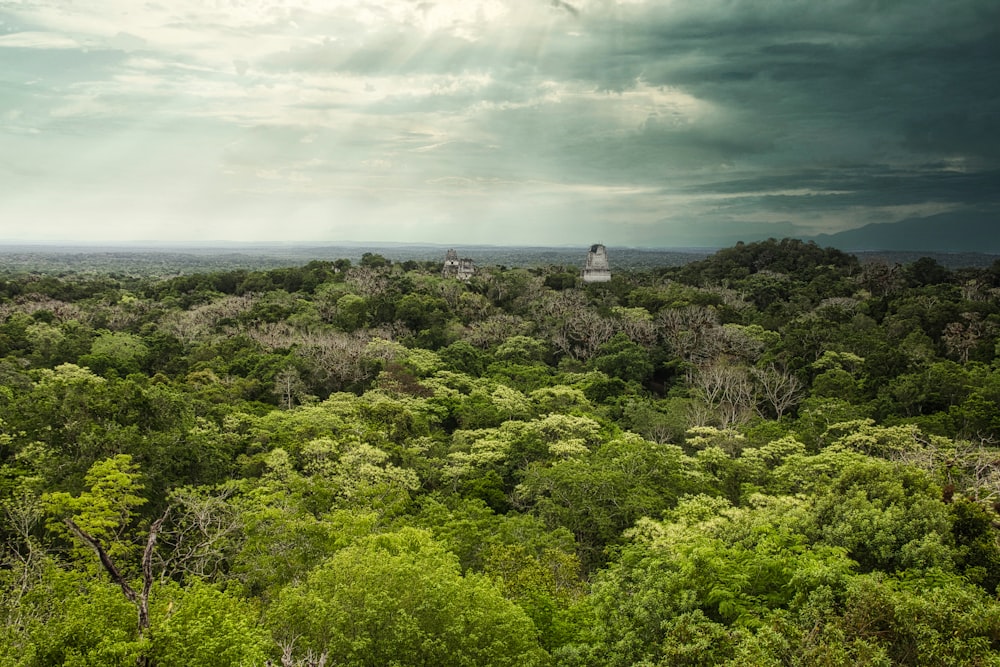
<point>400,599</point>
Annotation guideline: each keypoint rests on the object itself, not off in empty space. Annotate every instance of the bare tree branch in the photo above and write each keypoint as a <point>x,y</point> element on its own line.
<point>106,561</point>
<point>141,601</point>
<point>147,571</point>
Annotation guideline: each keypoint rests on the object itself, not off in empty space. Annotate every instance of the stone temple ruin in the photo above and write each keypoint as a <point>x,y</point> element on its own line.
<point>597,269</point>
<point>463,269</point>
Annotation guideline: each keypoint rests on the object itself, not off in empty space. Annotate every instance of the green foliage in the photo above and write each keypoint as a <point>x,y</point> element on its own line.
<point>201,626</point>
<point>522,350</point>
<point>622,358</point>
<point>106,510</point>
<point>462,357</point>
<point>598,495</point>
<point>68,619</point>
<point>937,620</point>
<point>775,456</point>
<point>374,260</point>
<point>399,598</point>
<point>352,312</point>
<point>545,586</point>
<point>677,594</point>
<point>977,553</point>
<point>120,351</point>
<point>664,421</point>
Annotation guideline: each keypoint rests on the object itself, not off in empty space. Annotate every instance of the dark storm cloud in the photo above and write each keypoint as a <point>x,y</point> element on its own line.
<point>893,87</point>
<point>848,70</point>
<point>972,131</point>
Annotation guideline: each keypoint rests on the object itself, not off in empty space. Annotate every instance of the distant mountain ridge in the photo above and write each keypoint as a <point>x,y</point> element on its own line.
<point>945,232</point>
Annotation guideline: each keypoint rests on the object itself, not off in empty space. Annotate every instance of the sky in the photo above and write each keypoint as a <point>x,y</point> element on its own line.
<point>644,123</point>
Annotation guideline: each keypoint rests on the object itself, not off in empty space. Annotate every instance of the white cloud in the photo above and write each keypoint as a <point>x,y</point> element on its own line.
<point>38,40</point>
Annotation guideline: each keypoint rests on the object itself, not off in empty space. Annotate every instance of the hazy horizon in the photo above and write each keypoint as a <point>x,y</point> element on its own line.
<point>493,122</point>
<point>223,243</point>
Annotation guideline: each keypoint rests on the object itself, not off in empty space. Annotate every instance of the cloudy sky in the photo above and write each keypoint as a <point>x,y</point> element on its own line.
<point>627,122</point>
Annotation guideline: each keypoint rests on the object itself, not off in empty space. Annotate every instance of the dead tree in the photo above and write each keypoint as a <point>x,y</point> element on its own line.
<point>140,599</point>
<point>777,390</point>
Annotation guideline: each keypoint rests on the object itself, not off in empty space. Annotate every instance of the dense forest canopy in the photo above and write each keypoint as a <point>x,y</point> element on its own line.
<point>776,455</point>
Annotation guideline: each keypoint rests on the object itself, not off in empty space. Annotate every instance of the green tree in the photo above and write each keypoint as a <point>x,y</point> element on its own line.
<point>622,358</point>
<point>690,590</point>
<point>67,618</point>
<point>598,495</point>
<point>198,625</point>
<point>399,598</point>
<point>118,350</point>
<point>351,312</point>
<point>106,510</point>
<point>373,260</point>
